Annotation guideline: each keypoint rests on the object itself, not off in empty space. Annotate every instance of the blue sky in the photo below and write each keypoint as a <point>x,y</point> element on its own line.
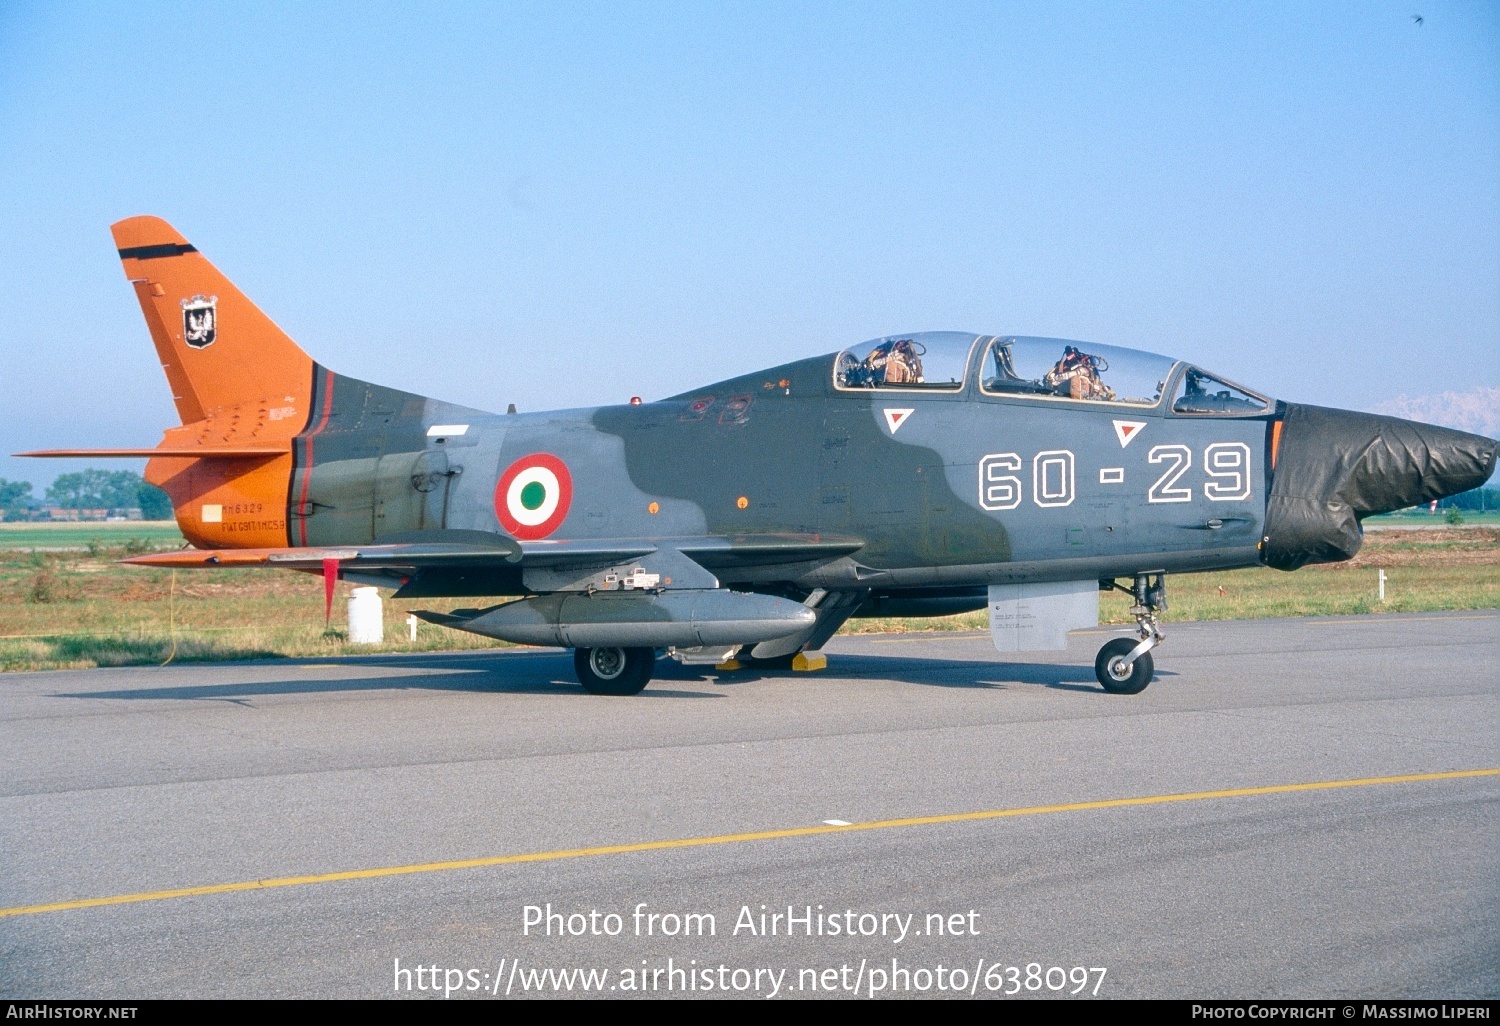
<point>568,204</point>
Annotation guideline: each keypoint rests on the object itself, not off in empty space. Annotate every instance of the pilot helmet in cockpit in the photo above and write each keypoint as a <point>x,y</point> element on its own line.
<point>1076,376</point>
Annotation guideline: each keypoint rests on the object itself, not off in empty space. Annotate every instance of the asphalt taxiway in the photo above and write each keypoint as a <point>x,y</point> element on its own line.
<point>1308,815</point>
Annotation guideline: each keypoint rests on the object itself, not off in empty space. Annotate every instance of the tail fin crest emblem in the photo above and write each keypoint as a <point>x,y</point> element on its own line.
<point>200,321</point>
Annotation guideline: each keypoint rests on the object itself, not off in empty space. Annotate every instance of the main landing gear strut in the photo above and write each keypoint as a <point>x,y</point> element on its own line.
<point>1124,666</point>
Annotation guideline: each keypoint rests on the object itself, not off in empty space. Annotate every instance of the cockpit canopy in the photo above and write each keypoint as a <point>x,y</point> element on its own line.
<point>1075,370</point>
<point>1200,392</point>
<point>927,360</point>
<point>1039,367</point>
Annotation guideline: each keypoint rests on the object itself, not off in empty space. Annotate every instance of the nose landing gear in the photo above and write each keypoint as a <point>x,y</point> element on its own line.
<point>1123,666</point>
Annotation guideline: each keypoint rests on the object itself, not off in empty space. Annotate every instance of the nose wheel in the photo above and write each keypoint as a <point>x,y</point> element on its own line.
<point>1123,666</point>
<point>1119,674</point>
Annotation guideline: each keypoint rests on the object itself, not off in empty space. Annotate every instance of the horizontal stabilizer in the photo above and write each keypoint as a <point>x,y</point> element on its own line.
<point>238,452</point>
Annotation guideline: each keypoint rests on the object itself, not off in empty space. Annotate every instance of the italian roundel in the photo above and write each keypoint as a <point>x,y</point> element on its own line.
<point>533,496</point>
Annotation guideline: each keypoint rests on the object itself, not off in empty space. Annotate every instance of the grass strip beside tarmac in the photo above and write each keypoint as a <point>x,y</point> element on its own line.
<point>137,535</point>
<point>80,608</point>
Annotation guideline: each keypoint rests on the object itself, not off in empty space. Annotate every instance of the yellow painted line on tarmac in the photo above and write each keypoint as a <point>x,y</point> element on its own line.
<point>1127,629</point>
<point>945,636</point>
<point>956,636</point>
<point>702,842</point>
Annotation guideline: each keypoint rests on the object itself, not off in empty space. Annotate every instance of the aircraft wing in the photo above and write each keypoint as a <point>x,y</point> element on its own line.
<point>476,550</point>
<point>645,592</point>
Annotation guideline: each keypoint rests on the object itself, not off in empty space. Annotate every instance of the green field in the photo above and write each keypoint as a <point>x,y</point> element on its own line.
<point>1412,518</point>
<point>146,534</point>
<point>64,605</point>
<point>1250,594</point>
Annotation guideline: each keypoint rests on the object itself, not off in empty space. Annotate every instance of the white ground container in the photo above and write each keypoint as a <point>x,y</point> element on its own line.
<point>366,624</point>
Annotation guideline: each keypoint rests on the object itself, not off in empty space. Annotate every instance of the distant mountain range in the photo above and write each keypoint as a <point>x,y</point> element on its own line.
<point>1477,410</point>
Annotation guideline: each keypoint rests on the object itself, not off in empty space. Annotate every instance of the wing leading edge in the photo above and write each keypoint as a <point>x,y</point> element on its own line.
<point>479,550</point>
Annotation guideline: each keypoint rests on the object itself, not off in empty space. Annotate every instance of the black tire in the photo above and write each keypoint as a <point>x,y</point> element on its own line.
<point>614,670</point>
<point>1107,668</point>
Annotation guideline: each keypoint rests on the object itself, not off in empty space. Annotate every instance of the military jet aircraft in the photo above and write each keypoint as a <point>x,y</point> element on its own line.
<point>917,474</point>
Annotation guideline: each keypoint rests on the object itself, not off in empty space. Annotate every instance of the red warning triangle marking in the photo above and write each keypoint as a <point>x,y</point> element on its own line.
<point>1126,430</point>
<point>895,418</point>
<point>330,582</point>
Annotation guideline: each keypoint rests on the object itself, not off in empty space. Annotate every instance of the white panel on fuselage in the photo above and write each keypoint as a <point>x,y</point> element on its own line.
<point>1038,617</point>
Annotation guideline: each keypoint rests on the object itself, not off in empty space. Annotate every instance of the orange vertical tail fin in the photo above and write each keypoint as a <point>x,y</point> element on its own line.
<point>218,349</point>
<point>239,383</point>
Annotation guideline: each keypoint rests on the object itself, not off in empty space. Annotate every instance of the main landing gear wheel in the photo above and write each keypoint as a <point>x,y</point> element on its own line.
<point>1114,666</point>
<point>613,670</point>
<point>1117,678</point>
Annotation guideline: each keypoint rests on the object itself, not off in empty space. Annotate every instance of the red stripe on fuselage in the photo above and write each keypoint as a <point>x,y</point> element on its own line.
<point>307,473</point>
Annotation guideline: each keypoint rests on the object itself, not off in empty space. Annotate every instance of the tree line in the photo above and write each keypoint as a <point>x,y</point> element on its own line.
<point>88,489</point>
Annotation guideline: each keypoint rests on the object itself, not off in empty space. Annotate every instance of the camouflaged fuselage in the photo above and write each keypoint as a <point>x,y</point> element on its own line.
<point>967,489</point>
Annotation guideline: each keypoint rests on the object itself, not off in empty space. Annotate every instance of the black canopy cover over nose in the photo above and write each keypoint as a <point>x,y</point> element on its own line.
<point>1335,467</point>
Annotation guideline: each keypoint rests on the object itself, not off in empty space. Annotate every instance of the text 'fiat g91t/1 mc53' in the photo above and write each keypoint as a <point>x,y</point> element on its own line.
<point>918,474</point>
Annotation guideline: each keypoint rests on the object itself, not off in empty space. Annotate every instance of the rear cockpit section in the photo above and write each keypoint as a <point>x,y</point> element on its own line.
<point>1059,368</point>
<point>927,360</point>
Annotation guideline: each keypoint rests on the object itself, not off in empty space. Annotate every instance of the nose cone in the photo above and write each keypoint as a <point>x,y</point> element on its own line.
<point>1334,468</point>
